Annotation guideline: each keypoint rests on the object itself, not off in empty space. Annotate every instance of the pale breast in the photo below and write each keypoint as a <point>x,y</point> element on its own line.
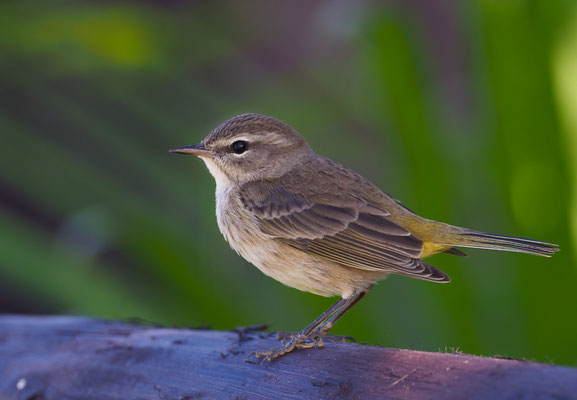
<point>284,263</point>
<point>240,228</point>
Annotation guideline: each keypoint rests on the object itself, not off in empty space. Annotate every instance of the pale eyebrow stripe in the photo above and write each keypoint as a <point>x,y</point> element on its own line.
<point>267,137</point>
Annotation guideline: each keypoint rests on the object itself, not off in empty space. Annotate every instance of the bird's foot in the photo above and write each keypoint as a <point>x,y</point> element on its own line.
<point>339,339</point>
<point>285,335</point>
<point>296,342</point>
<point>322,330</point>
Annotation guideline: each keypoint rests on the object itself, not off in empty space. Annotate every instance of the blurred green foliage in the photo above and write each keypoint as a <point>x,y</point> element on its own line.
<point>465,111</point>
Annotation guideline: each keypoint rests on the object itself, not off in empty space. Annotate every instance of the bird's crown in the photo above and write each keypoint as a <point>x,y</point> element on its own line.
<point>254,127</point>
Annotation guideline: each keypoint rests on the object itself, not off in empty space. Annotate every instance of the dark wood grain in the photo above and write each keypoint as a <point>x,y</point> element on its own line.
<point>82,358</point>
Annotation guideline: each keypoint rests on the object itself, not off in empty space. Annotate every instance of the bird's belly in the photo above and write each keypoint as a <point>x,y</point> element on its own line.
<point>284,263</point>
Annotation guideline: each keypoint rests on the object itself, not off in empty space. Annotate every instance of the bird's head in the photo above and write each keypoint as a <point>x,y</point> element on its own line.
<point>249,147</point>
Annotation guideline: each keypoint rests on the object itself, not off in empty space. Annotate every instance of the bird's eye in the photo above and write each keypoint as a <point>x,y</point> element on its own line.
<point>239,146</point>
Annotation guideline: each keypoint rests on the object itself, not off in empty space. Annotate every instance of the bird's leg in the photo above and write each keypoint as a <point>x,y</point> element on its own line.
<point>306,333</point>
<point>324,328</point>
<point>301,337</point>
<point>312,335</point>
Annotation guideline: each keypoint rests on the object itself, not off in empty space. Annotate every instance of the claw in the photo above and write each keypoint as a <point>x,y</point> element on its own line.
<point>297,342</point>
<point>285,335</point>
<point>340,339</point>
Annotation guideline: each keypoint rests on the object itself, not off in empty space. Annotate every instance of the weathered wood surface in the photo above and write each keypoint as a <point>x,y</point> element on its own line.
<point>81,358</point>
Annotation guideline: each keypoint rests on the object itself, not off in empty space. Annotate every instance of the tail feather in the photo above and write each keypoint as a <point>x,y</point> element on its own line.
<point>506,243</point>
<point>456,252</point>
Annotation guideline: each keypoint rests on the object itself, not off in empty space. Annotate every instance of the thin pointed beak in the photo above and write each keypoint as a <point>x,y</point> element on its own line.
<point>194,149</point>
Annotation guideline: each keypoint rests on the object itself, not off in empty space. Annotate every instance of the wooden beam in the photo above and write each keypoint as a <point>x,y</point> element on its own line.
<point>82,358</point>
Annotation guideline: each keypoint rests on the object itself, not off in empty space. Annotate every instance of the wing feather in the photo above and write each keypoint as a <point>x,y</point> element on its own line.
<point>344,229</point>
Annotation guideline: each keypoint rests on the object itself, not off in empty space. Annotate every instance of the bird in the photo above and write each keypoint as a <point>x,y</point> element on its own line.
<point>317,226</point>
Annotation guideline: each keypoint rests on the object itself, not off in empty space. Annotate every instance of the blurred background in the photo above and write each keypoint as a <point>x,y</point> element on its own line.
<point>465,111</point>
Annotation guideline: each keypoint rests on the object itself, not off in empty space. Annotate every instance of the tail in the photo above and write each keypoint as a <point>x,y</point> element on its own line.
<point>480,240</point>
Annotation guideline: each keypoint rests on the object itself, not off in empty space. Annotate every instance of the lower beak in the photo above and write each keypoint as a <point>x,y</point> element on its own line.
<point>194,149</point>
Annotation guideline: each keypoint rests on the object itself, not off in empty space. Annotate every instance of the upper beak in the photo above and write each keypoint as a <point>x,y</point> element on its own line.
<point>194,149</point>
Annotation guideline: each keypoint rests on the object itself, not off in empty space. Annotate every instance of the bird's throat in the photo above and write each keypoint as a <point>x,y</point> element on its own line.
<point>222,180</point>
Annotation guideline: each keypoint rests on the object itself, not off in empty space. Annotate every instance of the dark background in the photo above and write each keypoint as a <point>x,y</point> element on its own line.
<point>465,111</point>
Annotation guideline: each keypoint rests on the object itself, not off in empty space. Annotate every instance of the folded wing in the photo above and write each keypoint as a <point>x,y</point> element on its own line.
<point>343,229</point>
